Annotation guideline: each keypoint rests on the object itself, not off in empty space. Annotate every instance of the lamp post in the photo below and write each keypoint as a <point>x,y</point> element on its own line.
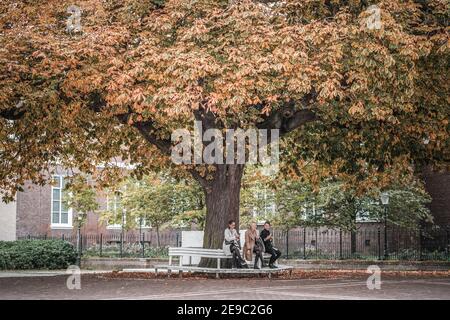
<point>118,198</point>
<point>79,219</point>
<point>140,235</point>
<point>384,197</point>
<point>122,232</point>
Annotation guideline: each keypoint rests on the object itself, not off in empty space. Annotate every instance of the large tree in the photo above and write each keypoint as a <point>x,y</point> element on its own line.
<point>350,95</point>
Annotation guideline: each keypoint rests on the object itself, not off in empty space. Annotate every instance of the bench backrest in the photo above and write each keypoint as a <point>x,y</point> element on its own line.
<point>199,252</point>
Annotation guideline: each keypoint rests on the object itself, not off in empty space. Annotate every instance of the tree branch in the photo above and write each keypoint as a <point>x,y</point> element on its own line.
<point>12,114</point>
<point>15,113</point>
<point>97,103</point>
<point>146,130</point>
<point>290,117</point>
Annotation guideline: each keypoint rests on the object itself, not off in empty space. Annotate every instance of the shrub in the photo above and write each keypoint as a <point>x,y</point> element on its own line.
<point>412,254</point>
<point>36,254</point>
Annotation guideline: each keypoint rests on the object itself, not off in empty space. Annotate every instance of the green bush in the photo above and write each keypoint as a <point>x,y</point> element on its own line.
<point>412,254</point>
<point>36,254</point>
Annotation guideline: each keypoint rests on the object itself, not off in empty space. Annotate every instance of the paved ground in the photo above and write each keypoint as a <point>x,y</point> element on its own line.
<point>44,273</point>
<point>99,287</point>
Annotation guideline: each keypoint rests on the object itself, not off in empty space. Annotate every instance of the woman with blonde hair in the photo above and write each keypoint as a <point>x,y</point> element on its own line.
<point>253,245</point>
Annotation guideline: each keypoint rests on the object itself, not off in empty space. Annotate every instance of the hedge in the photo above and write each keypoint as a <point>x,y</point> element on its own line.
<point>36,254</point>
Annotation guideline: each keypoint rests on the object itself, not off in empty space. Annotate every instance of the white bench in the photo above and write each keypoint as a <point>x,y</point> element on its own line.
<point>217,254</point>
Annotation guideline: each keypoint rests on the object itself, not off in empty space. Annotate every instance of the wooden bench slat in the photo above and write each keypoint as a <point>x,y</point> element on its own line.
<point>215,270</point>
<point>215,253</point>
<point>210,253</point>
<point>218,254</point>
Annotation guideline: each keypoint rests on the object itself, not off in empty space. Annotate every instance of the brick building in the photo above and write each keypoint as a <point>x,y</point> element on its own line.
<point>437,185</point>
<point>38,210</point>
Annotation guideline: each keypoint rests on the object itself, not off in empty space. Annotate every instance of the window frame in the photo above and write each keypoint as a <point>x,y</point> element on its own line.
<point>59,225</point>
<point>114,226</point>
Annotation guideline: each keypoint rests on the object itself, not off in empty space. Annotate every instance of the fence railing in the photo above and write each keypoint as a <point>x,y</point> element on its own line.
<point>298,243</point>
<point>131,244</point>
<point>400,244</point>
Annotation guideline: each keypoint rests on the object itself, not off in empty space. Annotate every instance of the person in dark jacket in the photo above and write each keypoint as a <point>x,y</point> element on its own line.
<point>268,243</point>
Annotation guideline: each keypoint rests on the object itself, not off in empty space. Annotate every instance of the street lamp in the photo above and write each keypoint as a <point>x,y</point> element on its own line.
<point>141,238</point>
<point>384,197</point>
<point>80,219</point>
<point>118,198</point>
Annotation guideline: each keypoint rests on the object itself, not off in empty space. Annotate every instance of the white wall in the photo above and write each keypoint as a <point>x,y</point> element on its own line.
<point>8,221</point>
<point>194,239</point>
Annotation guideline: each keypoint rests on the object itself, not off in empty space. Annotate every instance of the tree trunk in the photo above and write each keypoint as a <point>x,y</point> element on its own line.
<point>222,196</point>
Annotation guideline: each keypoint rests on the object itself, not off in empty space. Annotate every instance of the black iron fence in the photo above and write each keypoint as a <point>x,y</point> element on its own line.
<point>146,244</point>
<point>372,243</point>
<point>299,243</point>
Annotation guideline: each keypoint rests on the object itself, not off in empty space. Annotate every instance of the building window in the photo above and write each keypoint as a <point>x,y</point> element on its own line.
<point>114,205</point>
<point>61,214</point>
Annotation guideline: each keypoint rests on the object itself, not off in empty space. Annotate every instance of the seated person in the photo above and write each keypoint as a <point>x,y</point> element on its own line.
<point>252,245</point>
<point>231,245</point>
<point>267,238</point>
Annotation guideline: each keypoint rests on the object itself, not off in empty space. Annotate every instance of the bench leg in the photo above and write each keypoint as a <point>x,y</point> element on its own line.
<point>156,272</point>
<point>180,274</point>
<point>269,275</point>
<point>290,273</point>
<point>218,267</point>
<point>168,273</point>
